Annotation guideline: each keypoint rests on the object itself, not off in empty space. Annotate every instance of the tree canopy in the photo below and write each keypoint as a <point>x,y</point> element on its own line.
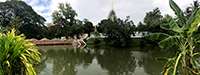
<point>19,9</point>
<point>88,26</point>
<point>118,31</point>
<point>21,16</point>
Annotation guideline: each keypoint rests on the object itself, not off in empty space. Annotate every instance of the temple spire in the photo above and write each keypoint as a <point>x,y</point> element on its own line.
<point>112,6</point>
<point>112,15</point>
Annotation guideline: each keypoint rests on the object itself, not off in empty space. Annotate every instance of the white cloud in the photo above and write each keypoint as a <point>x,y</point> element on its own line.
<point>2,0</point>
<point>33,2</point>
<point>96,10</point>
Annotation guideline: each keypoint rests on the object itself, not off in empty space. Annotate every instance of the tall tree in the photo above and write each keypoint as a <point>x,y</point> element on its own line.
<point>64,17</point>
<point>88,26</point>
<point>76,28</point>
<point>153,20</point>
<point>14,9</point>
<point>141,27</point>
<point>118,31</point>
<point>101,26</point>
<point>19,9</point>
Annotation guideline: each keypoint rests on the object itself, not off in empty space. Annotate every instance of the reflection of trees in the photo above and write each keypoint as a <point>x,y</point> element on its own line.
<point>117,62</point>
<point>65,61</point>
<point>148,62</point>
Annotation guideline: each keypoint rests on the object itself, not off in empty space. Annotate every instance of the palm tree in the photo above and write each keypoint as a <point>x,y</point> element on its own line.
<point>192,8</point>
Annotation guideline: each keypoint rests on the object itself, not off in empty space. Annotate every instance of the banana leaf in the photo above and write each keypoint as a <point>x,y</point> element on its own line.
<point>173,25</point>
<point>178,12</point>
<point>196,33</point>
<point>165,26</point>
<point>196,22</point>
<point>168,43</point>
<point>189,21</point>
<point>157,36</point>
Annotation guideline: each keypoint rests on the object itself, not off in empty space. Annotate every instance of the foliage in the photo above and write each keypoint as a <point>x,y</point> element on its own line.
<point>152,21</point>
<point>95,32</point>
<point>34,32</point>
<point>5,29</point>
<point>101,25</point>
<point>141,27</point>
<point>76,29</point>
<point>16,23</point>
<point>88,26</point>
<point>186,38</point>
<point>17,14</point>
<point>118,32</point>
<point>64,17</point>
<point>17,55</point>
<point>192,8</point>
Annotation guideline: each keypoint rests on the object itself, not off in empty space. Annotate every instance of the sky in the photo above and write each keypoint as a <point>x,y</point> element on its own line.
<point>96,10</point>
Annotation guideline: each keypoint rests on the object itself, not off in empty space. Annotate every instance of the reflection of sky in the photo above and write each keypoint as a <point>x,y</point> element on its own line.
<point>49,68</point>
<point>93,69</point>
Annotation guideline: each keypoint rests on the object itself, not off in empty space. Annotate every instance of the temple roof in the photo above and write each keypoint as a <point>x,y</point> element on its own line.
<point>112,15</point>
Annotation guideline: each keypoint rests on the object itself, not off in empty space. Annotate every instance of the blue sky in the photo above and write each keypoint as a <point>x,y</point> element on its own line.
<point>96,10</point>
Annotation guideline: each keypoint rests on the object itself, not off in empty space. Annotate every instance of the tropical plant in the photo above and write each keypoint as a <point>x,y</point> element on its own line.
<point>17,55</point>
<point>192,8</point>
<point>186,39</point>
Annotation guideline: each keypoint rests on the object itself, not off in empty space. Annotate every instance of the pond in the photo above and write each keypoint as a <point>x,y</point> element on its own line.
<point>100,60</point>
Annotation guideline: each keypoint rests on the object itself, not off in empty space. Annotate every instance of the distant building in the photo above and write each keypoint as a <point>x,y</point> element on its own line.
<point>112,15</point>
<point>48,24</point>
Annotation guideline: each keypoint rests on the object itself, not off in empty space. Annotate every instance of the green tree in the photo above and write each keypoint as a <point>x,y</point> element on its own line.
<point>88,26</point>
<point>141,27</point>
<point>76,28</point>
<point>64,17</point>
<point>186,39</point>
<point>16,23</point>
<point>101,26</point>
<point>15,9</point>
<point>153,20</point>
<point>118,32</point>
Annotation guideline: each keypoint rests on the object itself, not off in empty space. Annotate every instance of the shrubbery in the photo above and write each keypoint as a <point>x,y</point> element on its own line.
<point>17,55</point>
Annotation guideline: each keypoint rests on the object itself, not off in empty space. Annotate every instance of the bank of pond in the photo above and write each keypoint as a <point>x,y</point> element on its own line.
<point>134,42</point>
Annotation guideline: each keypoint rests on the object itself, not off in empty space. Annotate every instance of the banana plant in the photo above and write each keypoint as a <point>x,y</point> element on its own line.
<point>17,55</point>
<point>186,38</point>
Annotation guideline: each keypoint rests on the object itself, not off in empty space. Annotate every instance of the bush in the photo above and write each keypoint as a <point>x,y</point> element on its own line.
<point>17,55</point>
<point>95,32</point>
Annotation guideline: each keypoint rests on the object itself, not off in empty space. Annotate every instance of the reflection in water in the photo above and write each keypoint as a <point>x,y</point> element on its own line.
<point>99,60</point>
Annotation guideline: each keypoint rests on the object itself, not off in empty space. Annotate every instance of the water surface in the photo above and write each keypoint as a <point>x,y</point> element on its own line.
<point>100,60</point>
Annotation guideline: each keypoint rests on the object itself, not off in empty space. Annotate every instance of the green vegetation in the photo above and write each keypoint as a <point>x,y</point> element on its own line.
<point>118,32</point>
<point>95,32</point>
<point>17,55</point>
<point>192,8</point>
<point>17,14</point>
<point>185,39</point>
<point>65,23</point>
